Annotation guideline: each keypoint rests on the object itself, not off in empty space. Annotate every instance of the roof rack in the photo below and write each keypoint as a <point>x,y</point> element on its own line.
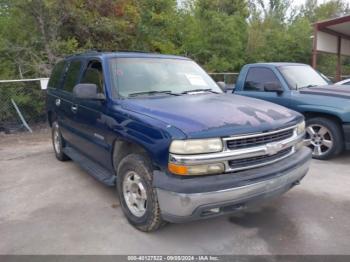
<point>108,51</point>
<point>85,52</point>
<point>132,51</point>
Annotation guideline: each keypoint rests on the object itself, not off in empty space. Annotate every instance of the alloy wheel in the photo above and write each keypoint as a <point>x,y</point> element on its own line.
<point>57,140</point>
<point>135,194</point>
<point>319,139</point>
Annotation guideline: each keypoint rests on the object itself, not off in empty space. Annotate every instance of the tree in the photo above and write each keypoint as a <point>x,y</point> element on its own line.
<point>221,35</point>
<point>101,24</point>
<point>215,33</point>
<point>268,32</point>
<point>331,9</point>
<point>158,26</point>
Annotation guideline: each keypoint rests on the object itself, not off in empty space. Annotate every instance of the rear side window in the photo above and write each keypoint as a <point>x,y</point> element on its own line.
<point>56,75</point>
<point>258,77</point>
<point>72,75</point>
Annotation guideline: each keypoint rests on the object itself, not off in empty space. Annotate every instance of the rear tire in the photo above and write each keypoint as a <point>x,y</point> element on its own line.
<point>324,137</point>
<point>137,196</point>
<point>58,142</point>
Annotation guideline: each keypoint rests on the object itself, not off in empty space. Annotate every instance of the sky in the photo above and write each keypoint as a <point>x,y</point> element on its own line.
<point>300,2</point>
<point>294,2</point>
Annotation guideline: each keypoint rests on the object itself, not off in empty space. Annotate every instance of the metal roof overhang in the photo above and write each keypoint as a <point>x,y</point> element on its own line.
<point>337,27</point>
<point>333,37</point>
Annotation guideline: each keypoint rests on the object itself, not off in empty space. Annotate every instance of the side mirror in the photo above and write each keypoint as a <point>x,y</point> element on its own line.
<point>88,91</point>
<point>273,87</point>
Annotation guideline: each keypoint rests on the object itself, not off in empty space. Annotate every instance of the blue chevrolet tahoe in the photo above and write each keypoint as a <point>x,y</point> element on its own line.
<point>299,87</point>
<point>161,131</point>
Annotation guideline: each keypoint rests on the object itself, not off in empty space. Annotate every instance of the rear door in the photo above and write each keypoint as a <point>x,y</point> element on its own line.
<point>65,102</point>
<point>92,118</point>
<point>254,86</point>
<point>54,92</point>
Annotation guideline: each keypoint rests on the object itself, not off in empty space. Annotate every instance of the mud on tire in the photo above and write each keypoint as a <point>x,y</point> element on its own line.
<point>135,174</point>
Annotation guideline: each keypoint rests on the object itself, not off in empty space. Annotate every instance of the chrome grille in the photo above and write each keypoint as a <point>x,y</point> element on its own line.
<point>248,151</point>
<point>251,162</point>
<point>253,141</point>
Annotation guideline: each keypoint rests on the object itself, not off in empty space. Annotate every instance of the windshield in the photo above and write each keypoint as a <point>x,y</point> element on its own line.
<point>301,76</point>
<point>149,76</point>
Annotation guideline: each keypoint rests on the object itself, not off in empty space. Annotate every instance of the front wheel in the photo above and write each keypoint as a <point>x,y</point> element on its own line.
<point>324,137</point>
<point>137,196</point>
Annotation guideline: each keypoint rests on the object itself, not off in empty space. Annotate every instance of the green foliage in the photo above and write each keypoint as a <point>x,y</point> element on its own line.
<point>157,28</point>
<point>214,33</point>
<point>279,33</point>
<point>330,9</point>
<point>221,35</point>
<point>28,97</point>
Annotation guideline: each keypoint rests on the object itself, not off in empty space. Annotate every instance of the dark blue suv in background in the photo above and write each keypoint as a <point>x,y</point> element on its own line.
<point>159,129</point>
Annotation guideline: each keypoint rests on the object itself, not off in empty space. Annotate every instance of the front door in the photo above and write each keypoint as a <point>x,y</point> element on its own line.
<point>91,119</point>
<point>255,82</point>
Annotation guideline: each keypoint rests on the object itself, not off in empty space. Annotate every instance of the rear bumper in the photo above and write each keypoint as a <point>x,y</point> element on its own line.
<point>181,207</point>
<point>346,130</point>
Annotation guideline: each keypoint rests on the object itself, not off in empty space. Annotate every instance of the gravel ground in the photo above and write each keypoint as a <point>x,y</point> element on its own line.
<point>50,207</point>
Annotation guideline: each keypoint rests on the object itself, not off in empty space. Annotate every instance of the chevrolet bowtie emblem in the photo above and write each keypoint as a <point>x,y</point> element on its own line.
<point>273,148</point>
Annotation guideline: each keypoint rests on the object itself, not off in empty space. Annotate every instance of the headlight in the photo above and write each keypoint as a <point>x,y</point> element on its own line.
<point>301,128</point>
<point>196,146</point>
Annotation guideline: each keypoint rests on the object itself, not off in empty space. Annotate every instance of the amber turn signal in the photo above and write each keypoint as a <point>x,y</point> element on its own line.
<point>195,170</point>
<point>178,169</point>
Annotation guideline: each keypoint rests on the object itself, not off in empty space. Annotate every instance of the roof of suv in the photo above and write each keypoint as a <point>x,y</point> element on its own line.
<point>131,54</point>
<point>277,64</point>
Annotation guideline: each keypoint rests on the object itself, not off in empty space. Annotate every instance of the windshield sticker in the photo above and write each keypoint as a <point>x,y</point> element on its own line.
<point>196,80</point>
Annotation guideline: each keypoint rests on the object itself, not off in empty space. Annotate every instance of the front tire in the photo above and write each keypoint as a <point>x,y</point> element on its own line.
<point>137,196</point>
<point>324,137</point>
<point>58,142</point>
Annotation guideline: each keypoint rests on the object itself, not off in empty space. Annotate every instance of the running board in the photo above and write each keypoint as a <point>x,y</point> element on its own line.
<point>94,169</point>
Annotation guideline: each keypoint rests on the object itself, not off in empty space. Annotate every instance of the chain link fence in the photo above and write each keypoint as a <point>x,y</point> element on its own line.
<point>22,106</point>
<point>227,78</point>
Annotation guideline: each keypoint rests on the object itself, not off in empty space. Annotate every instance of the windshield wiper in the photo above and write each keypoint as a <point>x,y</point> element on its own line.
<point>168,92</point>
<point>308,86</point>
<point>199,90</point>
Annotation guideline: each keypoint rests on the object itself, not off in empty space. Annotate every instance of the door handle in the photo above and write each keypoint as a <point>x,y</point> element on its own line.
<point>58,102</point>
<point>74,108</point>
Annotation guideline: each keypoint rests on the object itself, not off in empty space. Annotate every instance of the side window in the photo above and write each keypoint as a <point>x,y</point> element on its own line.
<point>56,75</point>
<point>72,75</point>
<point>94,75</point>
<point>257,78</point>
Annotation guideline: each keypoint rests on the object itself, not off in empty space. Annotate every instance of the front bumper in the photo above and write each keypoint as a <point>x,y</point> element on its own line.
<point>192,200</point>
<point>346,130</point>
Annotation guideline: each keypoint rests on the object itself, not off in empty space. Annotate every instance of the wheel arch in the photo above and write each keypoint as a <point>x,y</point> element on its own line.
<point>309,115</point>
<point>122,148</point>
<point>51,116</point>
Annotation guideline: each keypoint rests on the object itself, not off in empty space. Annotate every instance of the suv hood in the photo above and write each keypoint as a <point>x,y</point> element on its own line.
<point>208,115</point>
<point>329,90</point>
